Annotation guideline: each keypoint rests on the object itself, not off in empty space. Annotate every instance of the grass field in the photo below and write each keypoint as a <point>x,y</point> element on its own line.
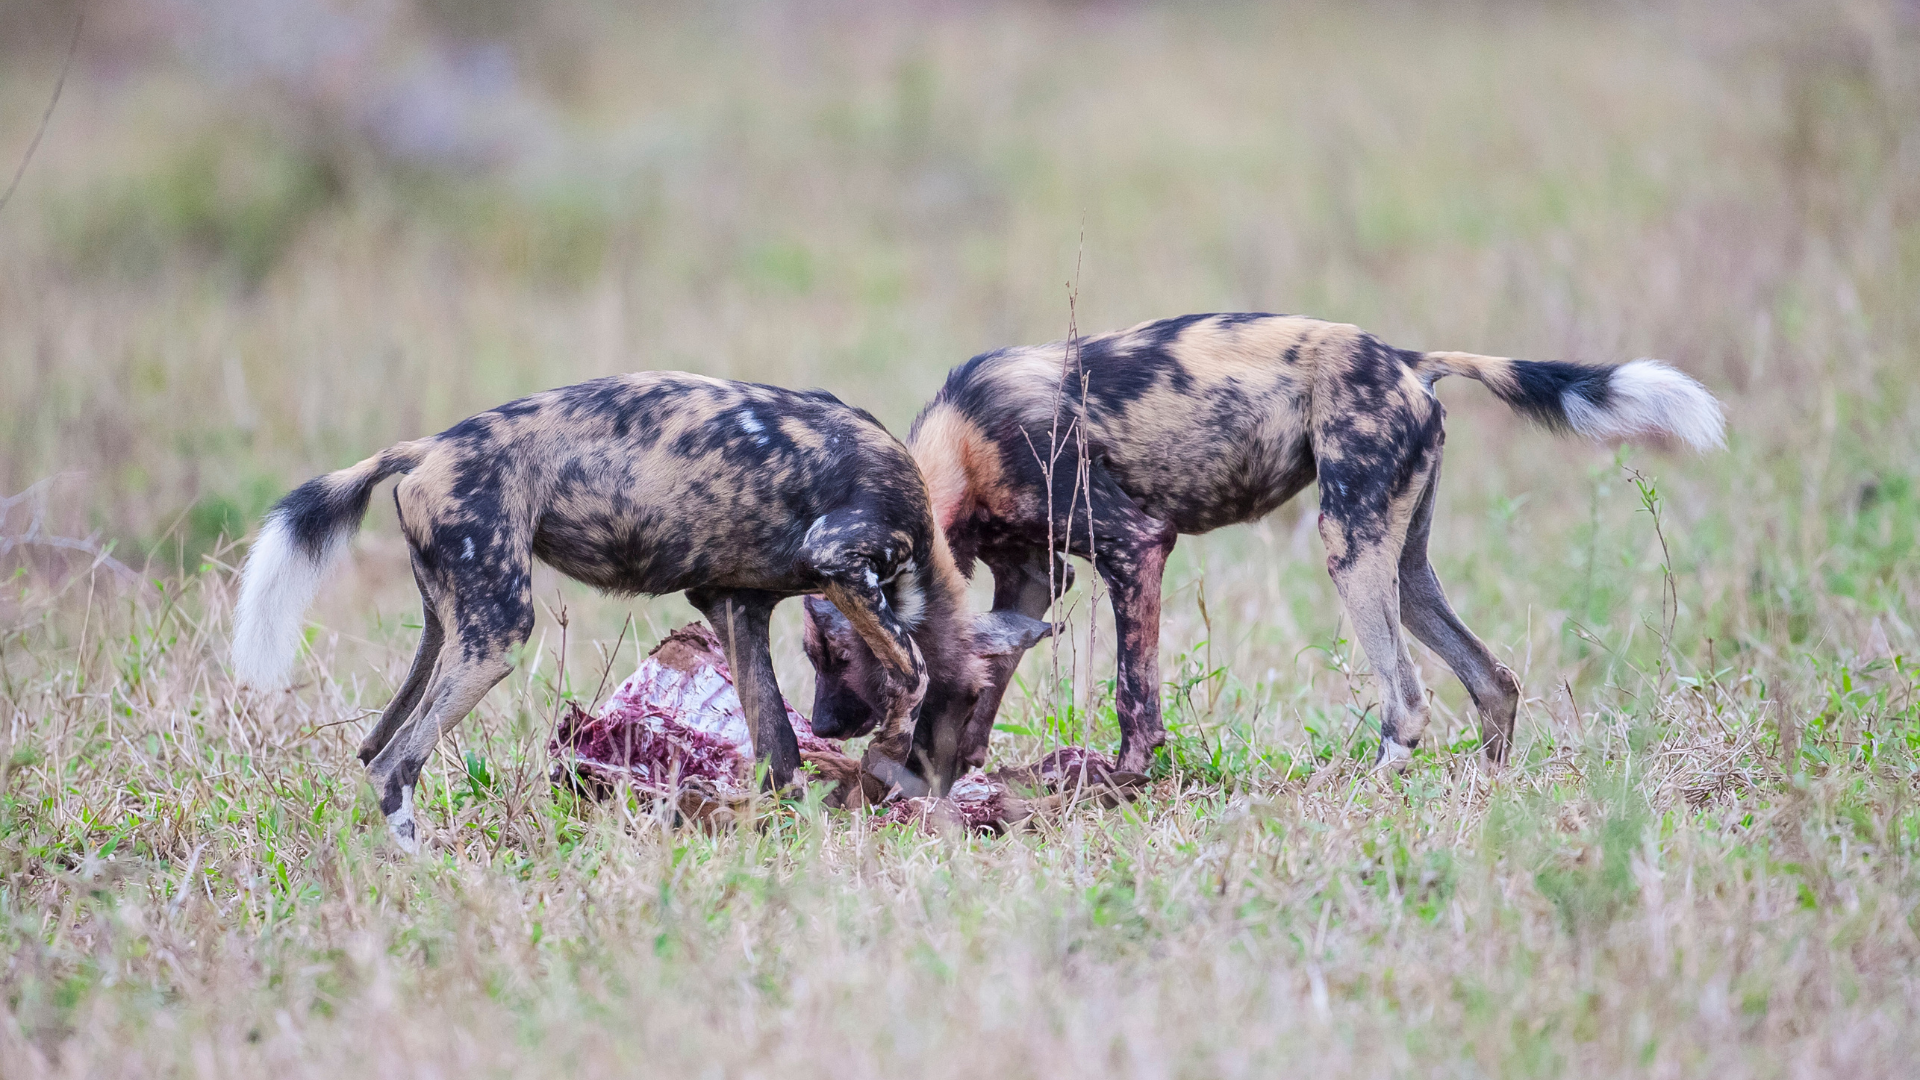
<point>221,276</point>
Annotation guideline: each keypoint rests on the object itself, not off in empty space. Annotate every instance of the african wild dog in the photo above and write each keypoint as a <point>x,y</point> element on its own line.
<point>739,494</point>
<point>1207,420</point>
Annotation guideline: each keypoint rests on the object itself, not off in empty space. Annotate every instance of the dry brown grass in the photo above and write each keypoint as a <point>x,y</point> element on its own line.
<point>1702,860</point>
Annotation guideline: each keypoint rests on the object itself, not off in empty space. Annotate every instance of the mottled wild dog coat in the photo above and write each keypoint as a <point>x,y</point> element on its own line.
<point>1206,420</point>
<point>738,494</point>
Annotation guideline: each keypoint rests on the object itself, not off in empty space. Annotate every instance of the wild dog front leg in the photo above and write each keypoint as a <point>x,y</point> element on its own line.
<point>1132,567</point>
<point>847,550</point>
<point>740,619</point>
<point>1129,549</point>
<point>903,673</point>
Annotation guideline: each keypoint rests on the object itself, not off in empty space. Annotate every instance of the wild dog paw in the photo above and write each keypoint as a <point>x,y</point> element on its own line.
<point>1393,756</point>
<point>402,826</point>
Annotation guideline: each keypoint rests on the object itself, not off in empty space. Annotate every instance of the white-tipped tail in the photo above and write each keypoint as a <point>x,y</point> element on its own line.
<point>1646,397</point>
<point>278,582</point>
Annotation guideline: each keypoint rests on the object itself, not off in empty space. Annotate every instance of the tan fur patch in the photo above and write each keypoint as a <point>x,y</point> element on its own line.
<point>802,434</point>
<point>1030,379</point>
<point>1215,352</point>
<point>960,464</point>
<point>1495,371</point>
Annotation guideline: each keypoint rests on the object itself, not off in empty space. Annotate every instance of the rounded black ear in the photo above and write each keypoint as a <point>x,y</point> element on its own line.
<point>1007,633</point>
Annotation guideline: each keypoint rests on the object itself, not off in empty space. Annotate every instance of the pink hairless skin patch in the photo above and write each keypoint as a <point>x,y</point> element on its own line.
<point>675,730</point>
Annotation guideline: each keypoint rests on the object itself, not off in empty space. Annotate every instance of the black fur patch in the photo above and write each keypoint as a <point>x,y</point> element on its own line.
<point>318,509</point>
<point>1543,384</point>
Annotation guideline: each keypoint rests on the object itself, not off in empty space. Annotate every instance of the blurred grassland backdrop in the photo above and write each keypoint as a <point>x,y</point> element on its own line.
<point>264,239</point>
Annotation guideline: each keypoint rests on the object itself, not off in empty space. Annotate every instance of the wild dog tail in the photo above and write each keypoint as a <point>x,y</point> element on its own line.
<point>300,540</point>
<point>1636,399</point>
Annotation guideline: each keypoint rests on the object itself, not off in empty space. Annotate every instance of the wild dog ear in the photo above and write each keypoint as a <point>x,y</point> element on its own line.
<point>826,627</point>
<point>1007,633</point>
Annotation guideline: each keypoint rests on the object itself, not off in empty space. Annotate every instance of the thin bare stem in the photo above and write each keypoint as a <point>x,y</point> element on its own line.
<point>79,21</point>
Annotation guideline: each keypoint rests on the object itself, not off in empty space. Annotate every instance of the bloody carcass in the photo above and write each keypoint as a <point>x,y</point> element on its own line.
<point>675,731</point>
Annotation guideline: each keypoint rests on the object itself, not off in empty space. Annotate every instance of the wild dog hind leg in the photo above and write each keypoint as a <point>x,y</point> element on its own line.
<point>463,680</point>
<point>1366,571</point>
<point>490,610</point>
<point>1425,611</point>
<point>413,688</point>
<point>1377,437</point>
<point>1367,504</point>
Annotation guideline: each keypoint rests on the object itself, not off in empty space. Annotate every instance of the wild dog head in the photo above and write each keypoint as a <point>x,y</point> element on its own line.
<point>849,685</point>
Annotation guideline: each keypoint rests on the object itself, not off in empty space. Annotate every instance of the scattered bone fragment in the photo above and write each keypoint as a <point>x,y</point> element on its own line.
<point>1070,769</point>
<point>976,803</point>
